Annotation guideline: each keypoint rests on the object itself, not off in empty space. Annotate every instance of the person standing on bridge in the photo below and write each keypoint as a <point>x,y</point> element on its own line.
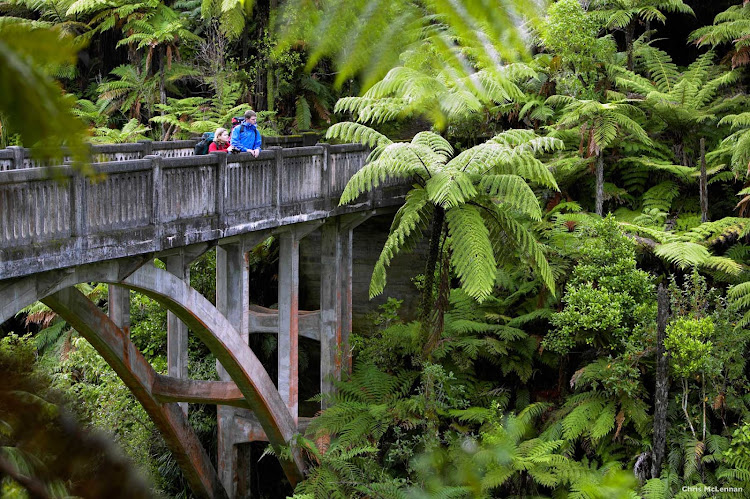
<point>246,137</point>
<point>221,141</point>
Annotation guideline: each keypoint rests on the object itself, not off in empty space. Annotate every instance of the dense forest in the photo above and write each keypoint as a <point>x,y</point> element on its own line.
<point>579,175</point>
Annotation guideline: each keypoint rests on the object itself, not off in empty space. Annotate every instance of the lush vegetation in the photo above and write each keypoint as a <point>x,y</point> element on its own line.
<point>585,302</point>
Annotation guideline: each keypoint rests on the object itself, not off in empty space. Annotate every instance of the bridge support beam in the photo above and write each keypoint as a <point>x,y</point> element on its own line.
<point>119,307</point>
<point>232,300</point>
<point>336,264</point>
<point>288,338</point>
<point>177,331</point>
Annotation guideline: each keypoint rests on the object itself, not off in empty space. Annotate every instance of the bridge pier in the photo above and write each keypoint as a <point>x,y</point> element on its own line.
<point>118,299</point>
<point>232,299</point>
<point>177,331</point>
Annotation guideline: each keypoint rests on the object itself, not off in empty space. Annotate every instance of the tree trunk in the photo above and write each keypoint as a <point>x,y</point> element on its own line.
<point>629,35</point>
<point>162,85</point>
<point>703,183</point>
<point>432,259</point>
<point>270,88</point>
<point>600,184</point>
<point>661,392</point>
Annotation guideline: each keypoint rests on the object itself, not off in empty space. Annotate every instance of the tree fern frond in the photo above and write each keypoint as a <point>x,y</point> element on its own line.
<point>683,254</point>
<point>408,224</point>
<point>473,257</point>
<point>513,191</point>
<point>355,132</point>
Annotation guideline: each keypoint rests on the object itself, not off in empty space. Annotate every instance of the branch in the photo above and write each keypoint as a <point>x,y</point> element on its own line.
<point>642,240</point>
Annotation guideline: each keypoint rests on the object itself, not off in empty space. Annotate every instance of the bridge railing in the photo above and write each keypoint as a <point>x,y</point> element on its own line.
<point>54,217</point>
<point>17,158</point>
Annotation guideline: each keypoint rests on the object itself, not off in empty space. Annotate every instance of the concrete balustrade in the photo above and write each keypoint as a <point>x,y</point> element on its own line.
<point>53,217</point>
<point>19,158</point>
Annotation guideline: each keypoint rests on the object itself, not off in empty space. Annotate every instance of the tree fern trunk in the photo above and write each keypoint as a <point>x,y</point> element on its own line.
<point>661,392</point>
<point>428,292</point>
<point>629,35</point>
<point>600,184</point>
<point>162,85</point>
<point>703,183</point>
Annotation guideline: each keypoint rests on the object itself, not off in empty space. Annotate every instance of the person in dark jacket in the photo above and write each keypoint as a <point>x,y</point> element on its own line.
<point>246,137</point>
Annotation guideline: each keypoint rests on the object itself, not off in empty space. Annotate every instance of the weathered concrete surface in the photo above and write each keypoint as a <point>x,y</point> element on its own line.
<point>118,302</point>
<point>288,334</point>
<point>367,242</point>
<point>177,331</point>
<point>266,320</point>
<point>114,345</point>
<point>232,289</point>
<point>225,342</point>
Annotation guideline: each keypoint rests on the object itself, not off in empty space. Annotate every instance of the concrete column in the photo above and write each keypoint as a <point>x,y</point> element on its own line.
<point>346,235</point>
<point>226,450</point>
<point>331,295</point>
<point>347,223</point>
<point>119,307</point>
<point>288,339</point>
<point>232,300</point>
<point>232,289</point>
<point>177,331</point>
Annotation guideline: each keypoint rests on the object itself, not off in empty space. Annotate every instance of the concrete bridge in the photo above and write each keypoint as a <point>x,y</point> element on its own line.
<point>156,200</point>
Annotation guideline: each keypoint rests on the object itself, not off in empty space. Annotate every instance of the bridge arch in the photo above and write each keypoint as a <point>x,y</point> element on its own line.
<point>193,309</point>
<point>138,375</point>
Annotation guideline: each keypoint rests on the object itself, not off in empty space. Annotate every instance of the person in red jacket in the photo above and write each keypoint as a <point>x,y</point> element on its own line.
<point>221,141</point>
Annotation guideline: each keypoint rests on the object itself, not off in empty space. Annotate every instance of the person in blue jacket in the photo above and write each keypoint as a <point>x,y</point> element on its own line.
<point>245,136</point>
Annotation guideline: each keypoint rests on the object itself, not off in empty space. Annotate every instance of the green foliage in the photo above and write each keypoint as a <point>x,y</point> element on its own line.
<point>27,54</point>
<point>456,34</point>
<point>42,447</point>
<point>688,341</point>
<point>132,131</point>
<point>571,35</point>
<point>729,26</point>
<point>607,297</point>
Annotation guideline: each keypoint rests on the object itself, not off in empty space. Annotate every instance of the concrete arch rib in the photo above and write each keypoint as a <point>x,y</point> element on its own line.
<point>230,350</point>
<point>138,375</point>
<point>193,309</point>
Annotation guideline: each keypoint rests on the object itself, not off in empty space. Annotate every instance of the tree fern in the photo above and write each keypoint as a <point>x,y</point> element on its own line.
<point>729,26</point>
<point>483,188</point>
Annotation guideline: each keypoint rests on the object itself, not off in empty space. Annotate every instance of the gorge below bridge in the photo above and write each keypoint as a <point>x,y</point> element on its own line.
<point>59,228</point>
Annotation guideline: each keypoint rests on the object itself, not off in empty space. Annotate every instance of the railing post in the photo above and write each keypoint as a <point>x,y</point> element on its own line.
<point>156,178</point>
<point>278,165</point>
<point>221,187</point>
<point>329,177</point>
<point>147,148</point>
<point>78,205</point>
<point>18,154</point>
